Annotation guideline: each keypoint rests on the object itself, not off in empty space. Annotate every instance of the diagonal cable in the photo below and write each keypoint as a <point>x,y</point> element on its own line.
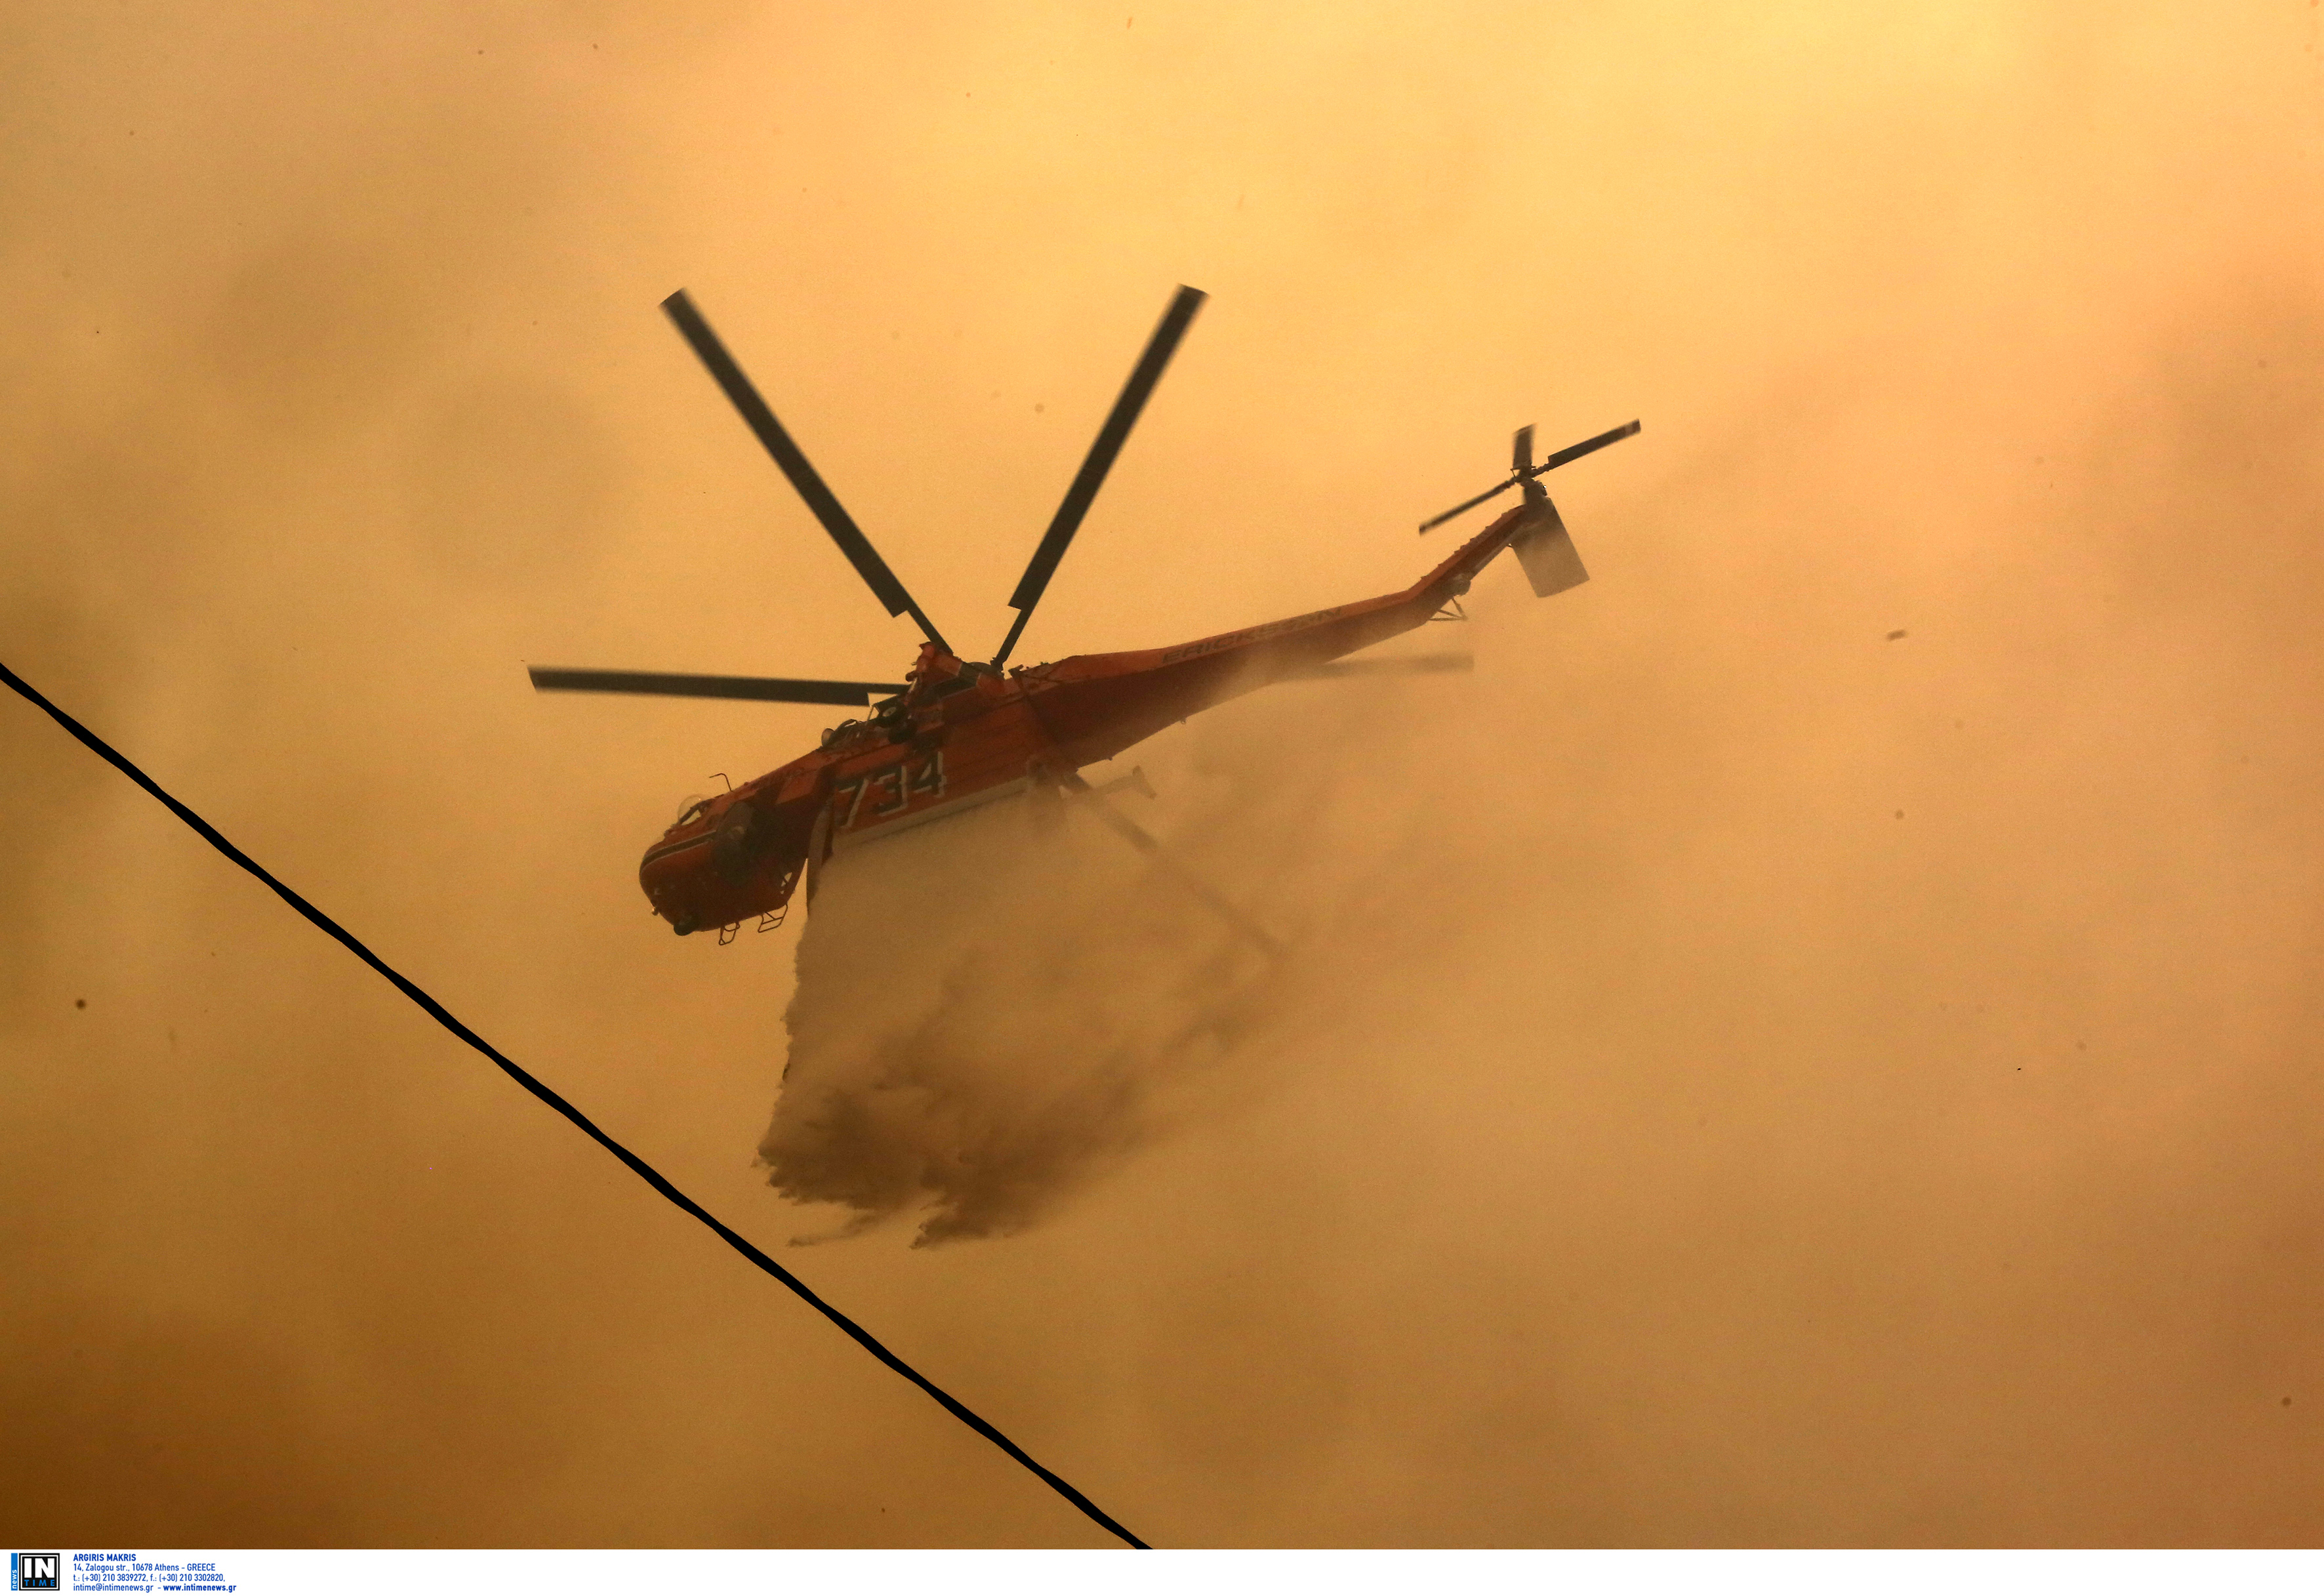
<point>639,1167</point>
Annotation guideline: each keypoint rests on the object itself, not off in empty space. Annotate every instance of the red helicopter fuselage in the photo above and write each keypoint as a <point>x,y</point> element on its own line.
<point>962,735</point>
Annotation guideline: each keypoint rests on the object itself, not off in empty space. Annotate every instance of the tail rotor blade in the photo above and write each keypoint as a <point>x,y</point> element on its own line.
<point>1466,506</point>
<point>767,689</point>
<point>1521,451</point>
<point>778,443</point>
<point>1588,445</point>
<point>1092,477</point>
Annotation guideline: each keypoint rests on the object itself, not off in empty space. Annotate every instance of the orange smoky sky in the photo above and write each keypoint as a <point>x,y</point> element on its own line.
<point>1814,1042</point>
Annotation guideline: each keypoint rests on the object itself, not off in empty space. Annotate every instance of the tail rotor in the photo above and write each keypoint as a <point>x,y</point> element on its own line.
<point>1544,549</point>
<point>1523,473</point>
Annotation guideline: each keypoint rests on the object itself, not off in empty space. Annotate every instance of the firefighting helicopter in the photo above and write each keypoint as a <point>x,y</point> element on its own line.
<point>958,732</point>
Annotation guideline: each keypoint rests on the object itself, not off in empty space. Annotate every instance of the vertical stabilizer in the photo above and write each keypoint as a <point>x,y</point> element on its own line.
<point>1552,564</point>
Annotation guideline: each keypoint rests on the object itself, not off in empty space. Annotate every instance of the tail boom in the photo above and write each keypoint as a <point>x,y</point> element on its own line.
<point>1097,705</point>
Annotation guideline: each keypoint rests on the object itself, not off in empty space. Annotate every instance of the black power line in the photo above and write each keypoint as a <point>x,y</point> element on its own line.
<point>643,1170</point>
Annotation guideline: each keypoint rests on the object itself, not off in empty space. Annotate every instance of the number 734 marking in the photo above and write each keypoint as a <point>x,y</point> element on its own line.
<point>902,783</point>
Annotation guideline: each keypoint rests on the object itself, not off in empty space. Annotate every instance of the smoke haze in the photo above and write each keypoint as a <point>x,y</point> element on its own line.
<point>1744,1077</point>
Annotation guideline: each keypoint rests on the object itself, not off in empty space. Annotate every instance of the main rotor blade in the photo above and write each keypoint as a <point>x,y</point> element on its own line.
<point>1404,665</point>
<point>1110,439</point>
<point>1145,843</point>
<point>769,432</point>
<point>770,689</point>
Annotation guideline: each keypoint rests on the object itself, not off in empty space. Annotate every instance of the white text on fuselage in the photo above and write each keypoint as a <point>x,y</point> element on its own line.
<point>881,795</point>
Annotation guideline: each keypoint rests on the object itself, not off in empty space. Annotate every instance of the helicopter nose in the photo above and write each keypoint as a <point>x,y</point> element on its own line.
<point>671,875</point>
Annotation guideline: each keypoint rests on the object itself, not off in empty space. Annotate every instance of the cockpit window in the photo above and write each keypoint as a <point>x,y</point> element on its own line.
<point>693,811</point>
